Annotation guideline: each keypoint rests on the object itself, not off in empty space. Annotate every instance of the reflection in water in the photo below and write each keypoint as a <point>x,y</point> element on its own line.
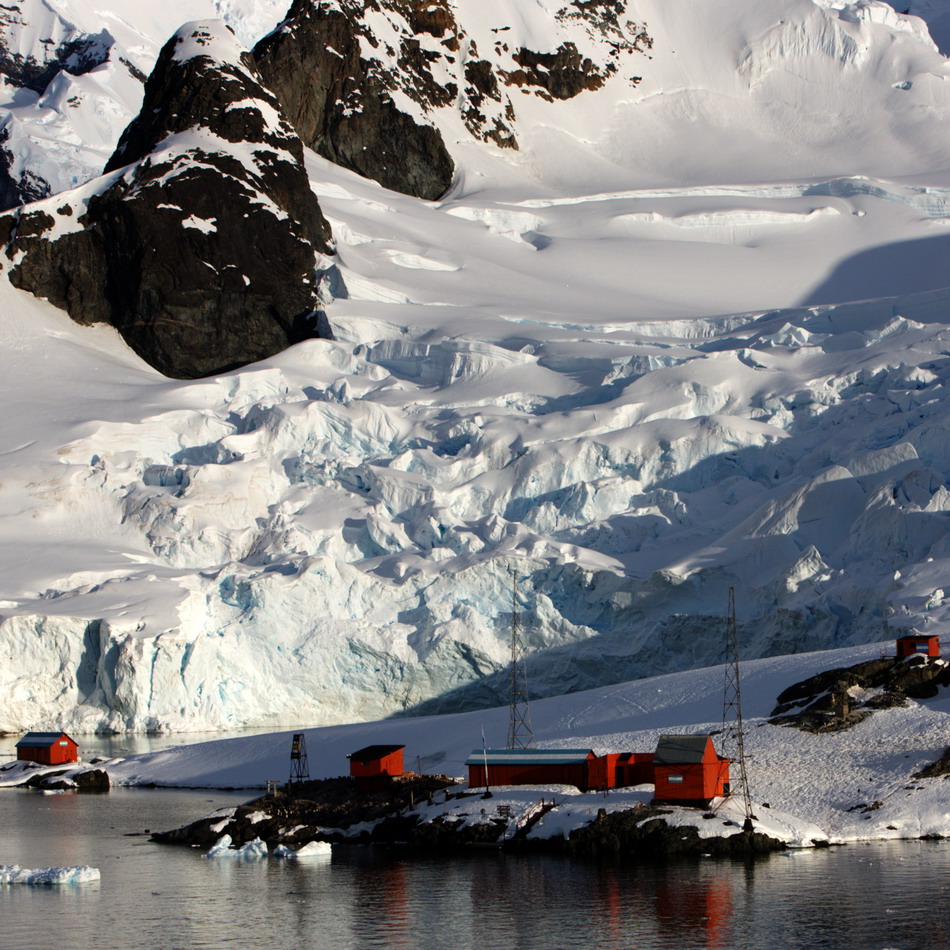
<point>698,912</point>
<point>381,907</point>
<point>364,898</point>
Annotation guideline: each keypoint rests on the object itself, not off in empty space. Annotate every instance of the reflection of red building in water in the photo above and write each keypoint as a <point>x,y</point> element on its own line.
<point>688,770</point>
<point>702,908</point>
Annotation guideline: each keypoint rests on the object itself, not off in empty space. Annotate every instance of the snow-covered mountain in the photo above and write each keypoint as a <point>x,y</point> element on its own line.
<point>607,375</point>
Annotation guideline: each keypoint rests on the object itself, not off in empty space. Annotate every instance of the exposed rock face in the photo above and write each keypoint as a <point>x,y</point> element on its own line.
<point>199,244</point>
<point>838,699</point>
<point>341,103</point>
<point>349,72</point>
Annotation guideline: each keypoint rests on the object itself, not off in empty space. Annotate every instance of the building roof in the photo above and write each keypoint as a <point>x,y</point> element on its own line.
<point>40,740</point>
<point>529,756</point>
<point>680,750</point>
<point>371,752</point>
<point>918,636</point>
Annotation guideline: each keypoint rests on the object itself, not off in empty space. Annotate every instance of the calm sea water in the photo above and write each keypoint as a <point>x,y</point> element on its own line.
<point>152,896</point>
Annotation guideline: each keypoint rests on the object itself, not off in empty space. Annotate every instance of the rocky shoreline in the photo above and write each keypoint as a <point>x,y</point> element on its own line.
<point>435,814</point>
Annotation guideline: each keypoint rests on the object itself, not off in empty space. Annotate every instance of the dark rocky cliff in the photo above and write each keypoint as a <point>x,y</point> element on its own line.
<point>341,103</point>
<point>199,244</point>
<point>363,80</point>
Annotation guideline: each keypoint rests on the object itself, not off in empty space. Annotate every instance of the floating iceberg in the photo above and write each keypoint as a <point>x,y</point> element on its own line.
<point>14,874</point>
<point>311,850</point>
<point>222,849</point>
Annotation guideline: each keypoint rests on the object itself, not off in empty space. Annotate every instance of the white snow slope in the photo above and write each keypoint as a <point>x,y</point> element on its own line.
<point>618,365</point>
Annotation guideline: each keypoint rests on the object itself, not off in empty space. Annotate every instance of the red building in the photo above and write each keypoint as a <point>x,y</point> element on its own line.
<point>47,748</point>
<point>530,767</point>
<point>634,768</point>
<point>620,769</point>
<point>918,644</point>
<point>376,763</point>
<point>688,770</point>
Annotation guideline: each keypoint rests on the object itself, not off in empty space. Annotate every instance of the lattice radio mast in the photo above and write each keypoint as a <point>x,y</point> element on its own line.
<point>520,733</point>
<point>299,767</point>
<point>733,738</point>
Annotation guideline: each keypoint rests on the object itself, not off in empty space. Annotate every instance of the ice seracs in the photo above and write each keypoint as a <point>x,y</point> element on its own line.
<point>543,371</point>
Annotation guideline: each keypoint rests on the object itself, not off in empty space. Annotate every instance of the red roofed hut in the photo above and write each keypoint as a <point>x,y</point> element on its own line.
<point>375,765</point>
<point>47,748</point>
<point>687,770</point>
<point>530,767</point>
<point>918,644</point>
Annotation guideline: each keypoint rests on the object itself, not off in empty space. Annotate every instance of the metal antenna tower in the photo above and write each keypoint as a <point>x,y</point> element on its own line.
<point>299,767</point>
<point>520,733</point>
<point>733,738</point>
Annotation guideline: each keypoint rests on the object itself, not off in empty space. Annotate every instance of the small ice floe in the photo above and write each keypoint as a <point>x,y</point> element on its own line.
<point>312,849</point>
<point>222,849</point>
<point>14,874</point>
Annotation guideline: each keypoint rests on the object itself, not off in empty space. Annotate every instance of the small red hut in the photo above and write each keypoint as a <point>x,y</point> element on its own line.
<point>47,748</point>
<point>687,770</point>
<point>918,644</point>
<point>376,763</point>
<point>530,767</point>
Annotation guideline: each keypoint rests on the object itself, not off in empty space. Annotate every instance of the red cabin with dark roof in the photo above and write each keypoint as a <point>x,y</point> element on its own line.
<point>918,644</point>
<point>687,770</point>
<point>47,748</point>
<point>376,764</point>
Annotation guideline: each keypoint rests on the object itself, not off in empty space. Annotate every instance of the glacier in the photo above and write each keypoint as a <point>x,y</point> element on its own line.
<point>692,336</point>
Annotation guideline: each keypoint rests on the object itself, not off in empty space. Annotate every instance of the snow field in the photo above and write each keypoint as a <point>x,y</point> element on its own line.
<point>618,363</point>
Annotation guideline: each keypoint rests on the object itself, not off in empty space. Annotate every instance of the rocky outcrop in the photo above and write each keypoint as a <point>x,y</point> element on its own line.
<point>364,81</point>
<point>840,698</point>
<point>199,244</point>
<point>936,769</point>
<point>430,813</point>
<point>341,103</point>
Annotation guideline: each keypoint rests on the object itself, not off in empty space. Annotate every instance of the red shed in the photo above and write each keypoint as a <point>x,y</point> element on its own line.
<point>635,768</point>
<point>687,770</point>
<point>47,748</point>
<point>918,644</point>
<point>602,772</point>
<point>376,762</point>
<point>620,769</point>
<point>530,767</point>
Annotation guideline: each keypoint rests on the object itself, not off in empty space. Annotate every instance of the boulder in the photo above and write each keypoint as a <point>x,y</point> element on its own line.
<point>200,242</point>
